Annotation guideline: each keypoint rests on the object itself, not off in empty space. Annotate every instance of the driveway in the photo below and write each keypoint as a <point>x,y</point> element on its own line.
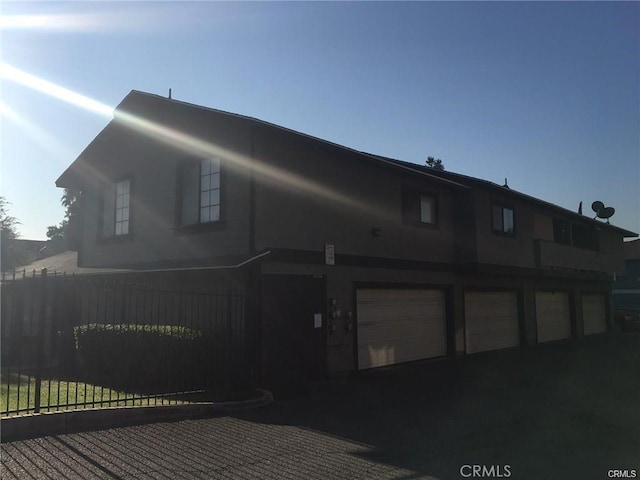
<point>562,410</point>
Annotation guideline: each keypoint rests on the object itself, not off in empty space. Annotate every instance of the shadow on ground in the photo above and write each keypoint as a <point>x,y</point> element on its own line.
<point>562,410</point>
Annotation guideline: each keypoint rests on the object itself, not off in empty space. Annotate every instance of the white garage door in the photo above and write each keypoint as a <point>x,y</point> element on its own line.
<point>594,315</point>
<point>491,321</point>
<point>396,326</point>
<point>553,316</point>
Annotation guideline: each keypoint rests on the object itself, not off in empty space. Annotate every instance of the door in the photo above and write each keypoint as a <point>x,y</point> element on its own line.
<point>491,321</point>
<point>553,316</point>
<point>594,314</point>
<point>293,330</point>
<point>399,325</point>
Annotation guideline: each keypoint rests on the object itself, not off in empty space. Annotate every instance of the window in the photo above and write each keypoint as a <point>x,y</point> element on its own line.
<point>210,190</point>
<point>586,237</point>
<point>427,209</point>
<point>419,208</point>
<point>116,209</point>
<point>199,189</point>
<point>561,232</point>
<point>123,198</point>
<point>503,220</point>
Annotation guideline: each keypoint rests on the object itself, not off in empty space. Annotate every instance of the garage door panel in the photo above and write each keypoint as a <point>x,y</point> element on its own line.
<point>396,326</point>
<point>491,321</point>
<point>553,316</point>
<point>394,334</point>
<point>594,314</point>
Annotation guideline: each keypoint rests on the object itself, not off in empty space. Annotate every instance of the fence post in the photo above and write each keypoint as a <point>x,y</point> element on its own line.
<point>42,312</point>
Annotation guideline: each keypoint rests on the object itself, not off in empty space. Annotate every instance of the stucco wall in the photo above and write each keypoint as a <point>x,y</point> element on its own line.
<point>326,196</point>
<point>152,165</point>
<point>516,251</point>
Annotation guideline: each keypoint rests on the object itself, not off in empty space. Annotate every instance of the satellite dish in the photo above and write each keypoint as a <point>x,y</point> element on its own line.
<point>597,206</point>
<point>607,213</point>
<point>602,211</point>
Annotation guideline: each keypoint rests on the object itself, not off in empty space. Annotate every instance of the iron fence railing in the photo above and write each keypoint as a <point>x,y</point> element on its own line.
<point>86,342</point>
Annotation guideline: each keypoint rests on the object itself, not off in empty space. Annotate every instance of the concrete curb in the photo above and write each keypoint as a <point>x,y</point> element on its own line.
<point>74,421</point>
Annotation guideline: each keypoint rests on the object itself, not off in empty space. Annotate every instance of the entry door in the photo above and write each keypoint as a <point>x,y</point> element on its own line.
<point>553,316</point>
<point>293,330</point>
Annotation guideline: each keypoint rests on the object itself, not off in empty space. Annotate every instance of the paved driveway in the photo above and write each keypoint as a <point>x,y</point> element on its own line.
<point>565,410</point>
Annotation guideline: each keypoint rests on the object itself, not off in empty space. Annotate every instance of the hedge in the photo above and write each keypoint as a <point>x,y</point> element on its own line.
<point>148,358</point>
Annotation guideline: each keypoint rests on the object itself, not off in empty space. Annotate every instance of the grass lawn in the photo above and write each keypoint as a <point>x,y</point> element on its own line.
<point>17,395</point>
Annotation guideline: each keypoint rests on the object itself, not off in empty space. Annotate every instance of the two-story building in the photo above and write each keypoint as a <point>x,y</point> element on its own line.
<point>353,260</point>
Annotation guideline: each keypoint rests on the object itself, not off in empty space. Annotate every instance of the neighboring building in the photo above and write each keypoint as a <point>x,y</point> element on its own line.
<point>63,263</point>
<point>353,260</point>
<point>626,290</point>
<point>33,250</point>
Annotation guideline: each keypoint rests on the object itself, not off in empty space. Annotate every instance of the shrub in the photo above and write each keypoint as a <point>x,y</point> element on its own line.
<point>147,358</point>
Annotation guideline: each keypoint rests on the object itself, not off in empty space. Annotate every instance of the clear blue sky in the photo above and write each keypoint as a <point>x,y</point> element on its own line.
<point>546,94</point>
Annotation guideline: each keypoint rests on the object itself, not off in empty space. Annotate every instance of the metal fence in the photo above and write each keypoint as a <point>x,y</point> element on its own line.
<point>82,341</point>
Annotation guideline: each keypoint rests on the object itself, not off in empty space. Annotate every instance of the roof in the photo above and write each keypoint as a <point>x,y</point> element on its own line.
<point>70,176</point>
<point>478,182</point>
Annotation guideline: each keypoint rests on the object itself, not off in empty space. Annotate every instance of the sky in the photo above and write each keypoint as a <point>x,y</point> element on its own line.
<point>544,94</point>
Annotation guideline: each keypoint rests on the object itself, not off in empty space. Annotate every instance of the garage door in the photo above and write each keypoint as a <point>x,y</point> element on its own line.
<point>594,315</point>
<point>553,316</point>
<point>491,321</point>
<point>396,326</point>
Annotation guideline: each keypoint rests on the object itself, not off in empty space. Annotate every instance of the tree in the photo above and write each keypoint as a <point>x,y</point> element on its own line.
<point>435,163</point>
<point>67,232</point>
<point>57,233</point>
<point>11,255</point>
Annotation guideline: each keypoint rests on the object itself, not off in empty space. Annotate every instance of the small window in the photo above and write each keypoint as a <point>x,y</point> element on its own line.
<point>561,232</point>
<point>503,220</point>
<point>586,237</point>
<point>427,209</point>
<point>419,208</point>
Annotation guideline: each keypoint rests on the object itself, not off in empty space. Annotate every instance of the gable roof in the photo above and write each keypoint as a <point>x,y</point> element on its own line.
<point>128,106</point>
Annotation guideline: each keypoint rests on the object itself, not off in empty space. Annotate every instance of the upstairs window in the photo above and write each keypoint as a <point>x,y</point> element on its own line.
<point>419,208</point>
<point>586,237</point>
<point>561,232</point>
<point>210,190</point>
<point>123,199</point>
<point>116,213</point>
<point>199,189</point>
<point>503,220</point>
<point>428,209</point>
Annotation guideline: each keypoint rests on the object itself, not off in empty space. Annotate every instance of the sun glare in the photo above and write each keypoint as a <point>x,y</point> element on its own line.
<point>62,22</point>
<point>196,146</point>
<point>13,74</point>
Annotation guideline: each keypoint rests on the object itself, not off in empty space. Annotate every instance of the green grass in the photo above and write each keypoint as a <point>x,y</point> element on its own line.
<point>17,392</point>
